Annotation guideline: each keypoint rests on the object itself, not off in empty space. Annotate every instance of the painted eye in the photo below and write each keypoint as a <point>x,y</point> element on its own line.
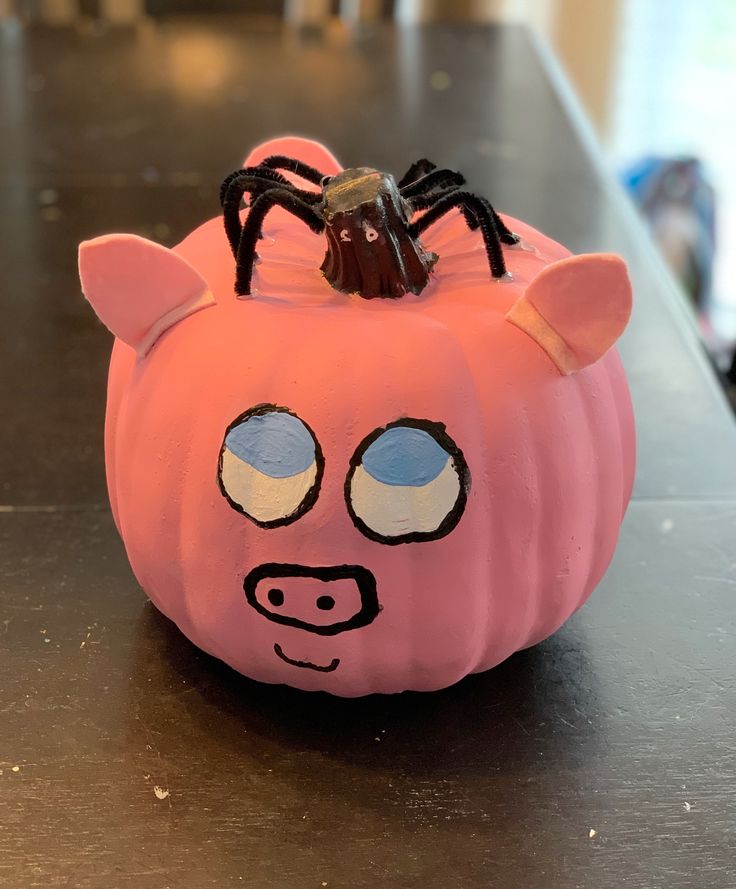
<point>370,233</point>
<point>270,466</point>
<point>408,482</point>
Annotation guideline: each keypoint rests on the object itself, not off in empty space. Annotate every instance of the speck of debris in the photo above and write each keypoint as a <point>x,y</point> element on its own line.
<point>150,174</point>
<point>35,83</point>
<point>376,739</point>
<point>324,884</point>
<point>15,769</point>
<point>686,806</point>
<point>440,81</point>
<point>185,177</point>
<point>47,639</point>
<point>160,792</point>
<point>43,631</point>
<point>51,214</point>
<point>592,833</point>
<point>666,526</point>
<point>48,196</point>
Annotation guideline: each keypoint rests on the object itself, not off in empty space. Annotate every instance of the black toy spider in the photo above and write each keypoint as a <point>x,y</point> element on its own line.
<point>373,247</point>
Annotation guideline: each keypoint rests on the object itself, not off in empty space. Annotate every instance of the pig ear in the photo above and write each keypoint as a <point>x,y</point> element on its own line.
<point>313,153</point>
<point>576,308</point>
<point>139,289</point>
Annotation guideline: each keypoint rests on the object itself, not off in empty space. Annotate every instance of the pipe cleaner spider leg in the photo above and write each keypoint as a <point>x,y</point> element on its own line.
<point>504,232</point>
<point>246,251</point>
<point>417,169</point>
<point>484,219</point>
<point>423,202</point>
<point>251,171</point>
<point>257,186</point>
<point>310,197</point>
<point>292,165</point>
<point>435,179</point>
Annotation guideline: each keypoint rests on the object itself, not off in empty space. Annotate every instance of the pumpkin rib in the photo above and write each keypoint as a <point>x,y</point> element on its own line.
<point>596,542</point>
<point>535,592</point>
<point>554,491</point>
<point>621,399</point>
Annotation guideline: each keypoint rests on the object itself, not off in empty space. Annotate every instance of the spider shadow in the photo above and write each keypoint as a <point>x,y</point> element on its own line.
<point>542,702</point>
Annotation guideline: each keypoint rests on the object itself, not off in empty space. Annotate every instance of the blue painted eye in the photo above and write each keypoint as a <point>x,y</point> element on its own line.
<point>408,482</point>
<point>404,455</point>
<point>277,444</point>
<point>270,466</point>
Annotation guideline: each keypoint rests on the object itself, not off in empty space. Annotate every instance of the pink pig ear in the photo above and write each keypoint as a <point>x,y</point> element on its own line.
<point>312,153</point>
<point>576,308</point>
<point>138,288</point>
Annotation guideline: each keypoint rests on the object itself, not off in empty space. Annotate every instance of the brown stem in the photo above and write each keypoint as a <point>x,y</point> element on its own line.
<point>369,249</point>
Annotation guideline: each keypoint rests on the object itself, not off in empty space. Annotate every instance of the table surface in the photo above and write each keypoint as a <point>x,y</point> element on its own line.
<point>605,756</point>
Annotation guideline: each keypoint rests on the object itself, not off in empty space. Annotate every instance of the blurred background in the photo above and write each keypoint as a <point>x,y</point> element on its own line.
<point>655,80</point>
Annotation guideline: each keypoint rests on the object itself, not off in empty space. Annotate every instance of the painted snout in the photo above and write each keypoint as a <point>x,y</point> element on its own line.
<point>323,600</point>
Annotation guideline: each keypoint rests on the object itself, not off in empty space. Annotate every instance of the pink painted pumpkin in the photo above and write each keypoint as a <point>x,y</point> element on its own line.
<point>363,495</point>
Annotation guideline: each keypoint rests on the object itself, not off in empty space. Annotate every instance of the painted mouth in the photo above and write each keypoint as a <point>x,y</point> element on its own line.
<point>306,665</point>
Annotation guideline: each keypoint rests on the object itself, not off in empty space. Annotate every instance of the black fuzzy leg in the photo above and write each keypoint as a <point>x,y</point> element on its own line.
<point>436,179</point>
<point>417,169</point>
<point>281,162</point>
<point>256,186</point>
<point>264,173</point>
<point>484,219</point>
<point>251,230</point>
<point>424,201</point>
<point>506,236</point>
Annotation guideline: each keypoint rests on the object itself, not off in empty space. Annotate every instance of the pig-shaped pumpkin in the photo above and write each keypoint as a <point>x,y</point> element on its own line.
<point>363,495</point>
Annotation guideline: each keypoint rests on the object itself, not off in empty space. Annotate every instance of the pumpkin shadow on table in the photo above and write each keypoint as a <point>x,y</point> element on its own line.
<point>542,703</point>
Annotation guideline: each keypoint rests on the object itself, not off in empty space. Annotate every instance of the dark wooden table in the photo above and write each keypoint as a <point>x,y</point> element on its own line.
<point>605,757</point>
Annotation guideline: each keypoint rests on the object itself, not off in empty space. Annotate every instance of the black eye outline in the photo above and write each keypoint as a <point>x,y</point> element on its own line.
<point>438,431</point>
<point>309,499</point>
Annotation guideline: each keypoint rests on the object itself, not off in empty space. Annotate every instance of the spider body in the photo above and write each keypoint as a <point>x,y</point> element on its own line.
<point>353,187</point>
<point>369,247</point>
<point>368,219</point>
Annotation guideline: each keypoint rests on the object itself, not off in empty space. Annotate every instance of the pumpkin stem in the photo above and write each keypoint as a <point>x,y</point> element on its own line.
<point>370,250</point>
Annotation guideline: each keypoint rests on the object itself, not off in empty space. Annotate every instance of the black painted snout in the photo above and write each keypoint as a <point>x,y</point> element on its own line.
<point>326,601</point>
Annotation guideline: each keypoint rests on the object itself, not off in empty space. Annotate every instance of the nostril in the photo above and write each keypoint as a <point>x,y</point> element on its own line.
<point>325,603</point>
<point>276,597</point>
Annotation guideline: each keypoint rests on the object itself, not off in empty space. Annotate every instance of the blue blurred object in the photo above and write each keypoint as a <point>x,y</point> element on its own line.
<point>678,202</point>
